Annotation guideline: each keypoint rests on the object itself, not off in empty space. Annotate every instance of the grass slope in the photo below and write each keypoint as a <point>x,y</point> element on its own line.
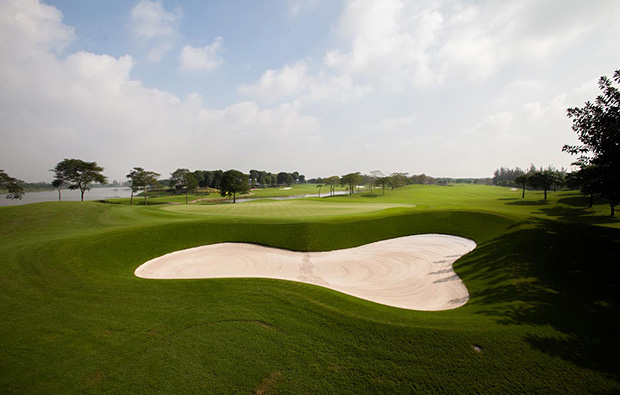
<point>543,308</point>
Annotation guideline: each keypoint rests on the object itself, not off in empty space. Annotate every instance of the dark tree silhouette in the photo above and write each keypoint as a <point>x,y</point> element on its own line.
<point>597,126</point>
<point>11,185</point>
<point>234,182</point>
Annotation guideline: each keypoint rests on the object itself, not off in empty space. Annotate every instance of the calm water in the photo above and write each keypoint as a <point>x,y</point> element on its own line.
<point>68,195</point>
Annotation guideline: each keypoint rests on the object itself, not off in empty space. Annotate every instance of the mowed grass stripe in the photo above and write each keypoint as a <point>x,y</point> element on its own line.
<point>284,209</point>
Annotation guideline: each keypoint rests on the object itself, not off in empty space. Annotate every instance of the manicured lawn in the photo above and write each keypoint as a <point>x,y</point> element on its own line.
<point>543,311</point>
<point>293,190</point>
<point>291,209</point>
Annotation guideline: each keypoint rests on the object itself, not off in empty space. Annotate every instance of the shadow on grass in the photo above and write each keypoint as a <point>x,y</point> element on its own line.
<point>548,273</point>
<point>523,202</point>
<point>578,215</point>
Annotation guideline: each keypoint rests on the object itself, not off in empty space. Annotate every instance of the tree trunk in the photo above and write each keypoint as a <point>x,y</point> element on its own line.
<point>545,193</point>
<point>384,190</point>
<point>59,196</point>
<point>82,191</point>
<point>523,194</point>
<point>234,197</point>
<point>319,192</point>
<point>131,198</point>
<point>591,200</point>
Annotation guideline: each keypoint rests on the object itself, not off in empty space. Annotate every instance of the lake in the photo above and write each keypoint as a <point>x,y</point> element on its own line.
<point>68,195</point>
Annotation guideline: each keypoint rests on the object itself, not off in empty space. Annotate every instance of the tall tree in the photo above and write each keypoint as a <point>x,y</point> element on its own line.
<point>397,180</point>
<point>587,179</point>
<point>141,179</point>
<point>522,179</point>
<point>12,185</point>
<point>598,128</point>
<point>332,182</point>
<point>183,179</point>
<point>352,180</point>
<point>372,179</point>
<point>320,185</point>
<point>285,178</point>
<point>234,182</point>
<point>79,174</point>
<point>543,179</point>
<point>58,184</point>
<point>383,181</point>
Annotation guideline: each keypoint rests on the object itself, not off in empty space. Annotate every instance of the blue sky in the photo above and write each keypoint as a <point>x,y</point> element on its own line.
<point>444,87</point>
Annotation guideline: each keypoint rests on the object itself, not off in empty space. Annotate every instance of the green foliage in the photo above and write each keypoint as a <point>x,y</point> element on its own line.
<point>352,180</point>
<point>141,179</point>
<point>234,182</point>
<point>598,128</point>
<point>11,185</point>
<point>185,181</point>
<point>78,174</point>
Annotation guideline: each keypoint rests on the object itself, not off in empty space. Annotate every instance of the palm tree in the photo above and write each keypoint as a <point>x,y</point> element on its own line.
<point>320,186</point>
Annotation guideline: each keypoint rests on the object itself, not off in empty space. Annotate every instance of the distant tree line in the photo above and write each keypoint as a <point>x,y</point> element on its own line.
<point>536,178</point>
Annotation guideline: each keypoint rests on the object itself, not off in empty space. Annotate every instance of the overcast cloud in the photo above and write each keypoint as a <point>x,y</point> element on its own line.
<point>446,88</point>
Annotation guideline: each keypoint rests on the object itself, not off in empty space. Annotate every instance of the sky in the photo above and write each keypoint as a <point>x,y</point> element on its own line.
<point>449,88</point>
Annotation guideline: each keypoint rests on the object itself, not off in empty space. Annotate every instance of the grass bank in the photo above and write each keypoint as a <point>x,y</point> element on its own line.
<point>543,314</point>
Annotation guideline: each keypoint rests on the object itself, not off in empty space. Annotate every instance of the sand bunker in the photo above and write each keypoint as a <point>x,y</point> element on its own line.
<point>412,272</point>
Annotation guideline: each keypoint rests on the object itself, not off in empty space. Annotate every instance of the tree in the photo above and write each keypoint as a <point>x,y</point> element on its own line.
<point>522,179</point>
<point>372,179</point>
<point>332,182</point>
<point>183,180</point>
<point>543,179</point>
<point>397,180</point>
<point>234,181</point>
<point>383,181</point>
<point>587,179</point>
<point>11,185</point>
<point>285,178</point>
<point>79,174</point>
<point>319,186</point>
<point>352,179</point>
<point>505,176</point>
<point>140,178</point>
<point>58,184</point>
<point>598,128</point>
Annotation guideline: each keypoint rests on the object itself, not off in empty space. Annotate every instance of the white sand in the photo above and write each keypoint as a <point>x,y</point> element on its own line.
<point>412,272</point>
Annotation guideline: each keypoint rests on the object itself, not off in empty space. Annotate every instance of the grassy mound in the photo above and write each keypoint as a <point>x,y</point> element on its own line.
<point>543,314</point>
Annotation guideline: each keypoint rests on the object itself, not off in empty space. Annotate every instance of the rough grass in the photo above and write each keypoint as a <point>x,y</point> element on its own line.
<point>543,312</point>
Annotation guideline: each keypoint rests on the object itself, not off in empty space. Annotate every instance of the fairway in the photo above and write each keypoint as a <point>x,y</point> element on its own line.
<point>284,209</point>
<point>542,315</point>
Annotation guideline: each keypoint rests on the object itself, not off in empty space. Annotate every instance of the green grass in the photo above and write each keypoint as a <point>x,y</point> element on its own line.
<point>275,192</point>
<point>289,209</point>
<point>543,285</point>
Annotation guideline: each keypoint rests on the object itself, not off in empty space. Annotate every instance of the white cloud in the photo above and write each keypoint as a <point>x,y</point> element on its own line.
<point>151,20</point>
<point>205,58</point>
<point>88,106</point>
<point>38,23</point>
<point>275,84</point>
<point>298,7</point>
<point>396,42</point>
<point>155,26</point>
<point>296,81</point>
